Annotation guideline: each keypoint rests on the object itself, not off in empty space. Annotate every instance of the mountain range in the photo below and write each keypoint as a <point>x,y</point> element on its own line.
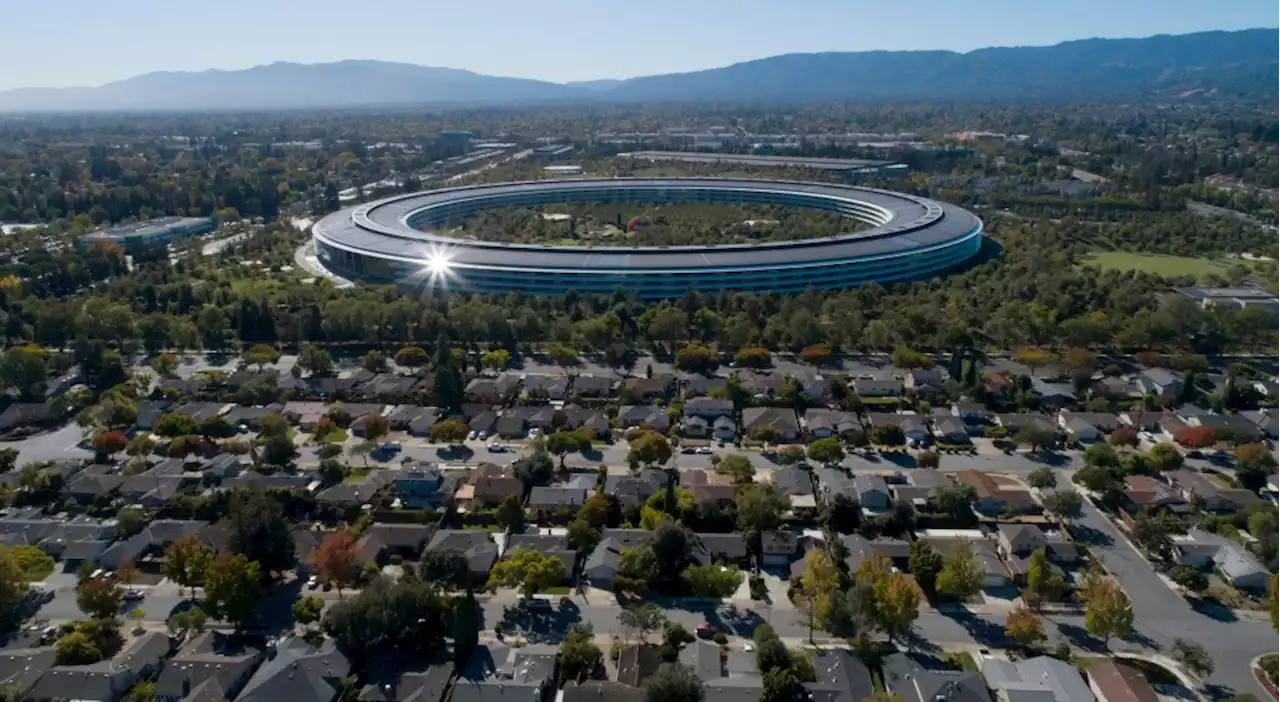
<point>1227,65</point>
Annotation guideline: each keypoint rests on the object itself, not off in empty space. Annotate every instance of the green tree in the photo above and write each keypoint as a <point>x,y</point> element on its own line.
<point>259,530</point>
<point>528,570</point>
<point>1193,657</point>
<point>315,360</point>
<point>260,355</point>
<point>231,588</point>
<point>961,575</point>
<point>1189,577</point>
<point>759,510</point>
<point>76,648</point>
<point>448,431</point>
<point>674,683</point>
<point>1108,612</point>
<point>24,369</point>
<point>826,450</point>
<point>99,599</point>
<point>412,357</point>
<point>753,357</point>
<point>641,619</point>
<point>1042,478</point>
<point>779,685</point>
<point>649,448</point>
<point>924,563</point>
<point>1164,457</point>
<point>308,610</point>
<point>579,656</point>
<point>188,621</point>
<point>898,605</point>
<point>1067,504</point>
<point>510,514</point>
<point>819,581</point>
<point>735,465</point>
<point>563,443</point>
<point>1024,627</point>
<point>185,561</point>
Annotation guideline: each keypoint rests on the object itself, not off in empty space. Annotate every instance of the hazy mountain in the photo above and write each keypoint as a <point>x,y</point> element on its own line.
<point>285,85</point>
<point>1227,62</point>
<point>1223,64</point>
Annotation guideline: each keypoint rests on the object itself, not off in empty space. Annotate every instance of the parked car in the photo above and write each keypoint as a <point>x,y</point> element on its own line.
<point>471,436</point>
<point>706,631</point>
<point>497,448</point>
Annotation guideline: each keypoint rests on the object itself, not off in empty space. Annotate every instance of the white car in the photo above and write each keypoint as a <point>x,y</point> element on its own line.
<point>471,436</point>
<point>497,448</point>
<point>705,450</point>
<point>533,433</point>
<point>482,435</point>
<point>313,582</point>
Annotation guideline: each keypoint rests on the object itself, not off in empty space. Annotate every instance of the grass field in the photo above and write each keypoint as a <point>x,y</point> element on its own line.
<point>1168,266</point>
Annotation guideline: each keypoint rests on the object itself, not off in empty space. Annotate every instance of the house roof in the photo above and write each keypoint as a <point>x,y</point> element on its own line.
<point>910,676</point>
<point>380,537</point>
<point>299,672</point>
<point>713,547</point>
<point>780,419</point>
<point>986,488</point>
<point>1116,681</point>
<point>842,676</point>
<point>1039,678</point>
<point>552,496</point>
<point>422,684</point>
<point>359,492</point>
<point>636,663</point>
<point>476,546</point>
<point>206,669</point>
<point>598,690</point>
<point>21,668</point>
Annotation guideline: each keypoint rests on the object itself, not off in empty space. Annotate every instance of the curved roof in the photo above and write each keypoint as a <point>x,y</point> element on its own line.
<point>902,223</point>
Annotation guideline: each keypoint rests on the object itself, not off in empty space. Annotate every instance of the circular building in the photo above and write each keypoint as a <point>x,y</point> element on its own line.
<point>393,240</point>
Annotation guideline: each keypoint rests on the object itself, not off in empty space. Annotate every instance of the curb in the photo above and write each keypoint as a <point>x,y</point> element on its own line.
<point>1261,677</point>
<point>1168,664</point>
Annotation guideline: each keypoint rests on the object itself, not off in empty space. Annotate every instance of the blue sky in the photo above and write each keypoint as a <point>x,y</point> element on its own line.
<point>89,42</point>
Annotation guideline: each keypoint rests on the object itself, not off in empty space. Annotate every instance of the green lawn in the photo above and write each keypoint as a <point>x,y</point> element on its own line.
<point>336,436</point>
<point>1168,266</point>
<point>556,590</point>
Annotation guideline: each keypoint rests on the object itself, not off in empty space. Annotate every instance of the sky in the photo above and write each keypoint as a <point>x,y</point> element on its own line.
<point>90,42</point>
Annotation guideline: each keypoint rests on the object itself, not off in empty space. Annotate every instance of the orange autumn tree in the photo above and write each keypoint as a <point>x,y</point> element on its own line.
<point>334,560</point>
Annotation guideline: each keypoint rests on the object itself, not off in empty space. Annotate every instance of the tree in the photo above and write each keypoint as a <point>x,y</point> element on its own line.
<point>788,455</point>
<point>185,561</point>
<point>579,656</point>
<point>25,369</point>
<point>1273,600</point>
<point>375,427</point>
<point>826,450</point>
<point>674,683</point>
<point>1033,358</point>
<point>772,654</point>
<point>448,431</point>
<point>759,510</point>
<point>696,358</point>
<point>510,514</point>
<point>188,621</point>
<point>672,546</point>
<point>779,685</point>
<point>174,424</point>
<point>1124,436</point>
<point>1108,612</point>
<point>1042,478</point>
<point>315,360</point>
<point>753,357</point>
<point>389,617</point>
<point>961,575</point>
<point>1036,437</point>
<point>711,580</point>
<point>1196,437</point>
<point>1067,504</point>
<point>1155,534</point>
<point>1024,627</point>
<point>642,619</point>
<point>1096,479</point>
<point>528,570</point>
<point>818,582</point>
<point>260,355</point>
<point>231,588</point>
<point>924,563</point>
<point>110,442</point>
<point>260,531</point>
<point>736,466</point>
<point>164,364</point>
<point>563,443</point>
<point>888,435</point>
<point>841,514</point>
<point>497,359</point>
<point>956,501</point>
<point>334,559</point>
<point>127,572</point>
<point>412,357</point>
<point>445,568</point>
<point>76,648</point>
<point>649,448</point>
<point>1189,577</point>
<point>1254,464</point>
<point>1193,657</point>
<point>903,357</point>
<point>816,354</point>
<point>1164,457</point>
<point>927,459</point>
<point>99,599</point>
<point>898,605</point>
<point>308,610</point>
<point>374,361</point>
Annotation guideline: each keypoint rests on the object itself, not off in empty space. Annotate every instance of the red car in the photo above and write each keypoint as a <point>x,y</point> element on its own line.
<point>706,631</point>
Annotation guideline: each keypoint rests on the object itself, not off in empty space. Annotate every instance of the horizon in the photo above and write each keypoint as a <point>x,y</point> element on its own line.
<point>562,41</point>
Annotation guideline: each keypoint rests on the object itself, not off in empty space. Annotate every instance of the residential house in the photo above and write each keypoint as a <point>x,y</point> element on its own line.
<point>724,430</point>
<point>499,673</point>
<point>1216,498</point>
<point>354,414</point>
<point>873,492</point>
<point>151,491</point>
<point>404,417</point>
<point>822,423</point>
<point>655,418</point>
<point>1087,426</point>
<point>1013,423</point>
<point>380,541</point>
<point>209,667</point>
<point>762,386</point>
<point>1221,423</point>
<point>544,500</point>
<point>22,668</point>
<point>841,677</point>
<point>659,387</point>
<point>201,411</point>
<point>797,485</point>
<point>422,683</point>
<point>944,541</point>
<point>592,421</point>
<point>913,429</point>
<point>876,387</point>
<point>597,690</point>
<point>24,414</point>
<point>250,417</point>
<point>970,412</point>
<point>549,545</point>
<point>1038,679</point>
<point>354,494</point>
<point>93,482</point>
<point>478,547</point>
<point>695,427</point>
<point>588,385</point>
<point>833,481</point>
<point>951,430</point>
<point>486,423</point>
<point>147,546</point>
<point>991,499</point>
<point>148,412</point>
<point>1053,394</point>
<point>304,415</point>
<point>1145,492</point>
<point>924,381</point>
<point>488,486</point>
<point>601,565</point>
<point>707,408</point>
<point>1022,540</point>
<point>1236,565</point>
<point>75,540</point>
<point>491,391</point>
<point>779,421</point>
<point>106,680</point>
<point>630,491</point>
<point>923,485</point>
<point>720,548</point>
<point>545,387</point>
<point>1158,381</point>
<point>636,663</point>
<point>917,679</point>
<point>299,672</point>
<point>725,674</point>
<point>1112,681</point>
<point>701,385</point>
<point>779,547</point>
<point>423,486</point>
<point>861,548</point>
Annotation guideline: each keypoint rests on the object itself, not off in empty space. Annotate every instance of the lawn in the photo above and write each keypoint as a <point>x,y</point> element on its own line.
<point>961,660</point>
<point>336,436</point>
<point>1167,266</point>
<point>555,590</point>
